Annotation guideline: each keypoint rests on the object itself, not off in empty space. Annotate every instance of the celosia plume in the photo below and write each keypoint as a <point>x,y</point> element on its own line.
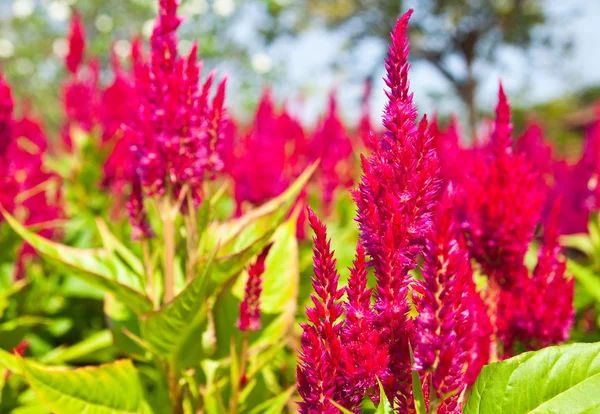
<point>76,42</point>
<point>250,307</point>
<point>451,316</point>
<point>502,204</point>
<point>395,201</point>
<point>332,145</point>
<point>176,128</point>
<point>320,368</point>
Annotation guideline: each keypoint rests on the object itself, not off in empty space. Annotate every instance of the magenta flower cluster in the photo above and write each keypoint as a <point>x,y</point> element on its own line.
<point>432,318</point>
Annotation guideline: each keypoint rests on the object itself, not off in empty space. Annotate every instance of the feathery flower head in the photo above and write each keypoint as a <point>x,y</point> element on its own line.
<point>176,129</point>
<point>333,146</point>
<point>503,205</point>
<point>540,311</point>
<point>250,306</point>
<point>262,149</point>
<point>395,201</point>
<point>446,334</point>
<point>76,42</point>
<point>320,373</point>
<point>6,116</point>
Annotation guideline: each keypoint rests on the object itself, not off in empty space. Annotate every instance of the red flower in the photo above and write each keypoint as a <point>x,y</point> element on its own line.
<point>250,306</point>
<point>76,44</point>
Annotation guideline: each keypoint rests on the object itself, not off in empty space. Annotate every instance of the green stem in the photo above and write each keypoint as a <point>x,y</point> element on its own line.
<point>169,250</point>
<point>237,388</point>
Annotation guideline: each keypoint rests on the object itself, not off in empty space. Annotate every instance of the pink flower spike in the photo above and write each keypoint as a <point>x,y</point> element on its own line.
<point>6,116</point>
<point>250,306</point>
<point>76,41</point>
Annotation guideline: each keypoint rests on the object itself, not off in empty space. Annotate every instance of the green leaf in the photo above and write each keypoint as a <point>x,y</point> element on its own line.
<point>168,328</point>
<point>559,379</point>
<point>96,266</point>
<point>113,244</point>
<point>237,234</point>
<point>94,343</point>
<point>275,405</point>
<point>418,396</point>
<point>9,361</point>
<point>580,241</point>
<point>106,389</point>
<point>585,276</point>
<point>341,408</point>
<point>384,406</point>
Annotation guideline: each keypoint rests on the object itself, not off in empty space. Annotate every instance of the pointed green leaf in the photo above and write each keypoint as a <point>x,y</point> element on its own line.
<point>341,408</point>
<point>384,406</point>
<point>96,266</point>
<point>275,405</point>
<point>558,379</point>
<point>167,329</point>
<point>106,389</point>
<point>112,243</point>
<point>94,343</point>
<point>585,276</point>
<point>417,386</point>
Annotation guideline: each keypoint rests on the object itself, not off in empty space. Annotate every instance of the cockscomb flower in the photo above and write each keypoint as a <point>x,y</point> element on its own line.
<point>395,201</point>
<point>445,336</point>
<point>320,372</point>
<point>138,217</point>
<point>364,127</point>
<point>177,126</point>
<point>262,149</point>
<point>503,204</point>
<point>6,116</point>
<point>541,308</point>
<point>367,355</point>
<point>250,306</point>
<point>76,42</point>
<point>332,145</point>
<point>452,156</point>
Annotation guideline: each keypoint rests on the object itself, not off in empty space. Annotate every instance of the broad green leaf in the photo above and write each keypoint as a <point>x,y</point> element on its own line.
<point>106,389</point>
<point>94,343</point>
<point>239,233</point>
<point>275,405</point>
<point>558,379</point>
<point>168,328</point>
<point>384,406</point>
<point>96,266</point>
<point>585,276</point>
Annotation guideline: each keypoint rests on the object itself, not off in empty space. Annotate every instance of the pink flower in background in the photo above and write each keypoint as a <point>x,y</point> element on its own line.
<point>76,40</point>
<point>332,145</point>
<point>454,159</point>
<point>177,126</point>
<point>539,312</point>
<point>365,127</point>
<point>6,116</point>
<point>502,204</point>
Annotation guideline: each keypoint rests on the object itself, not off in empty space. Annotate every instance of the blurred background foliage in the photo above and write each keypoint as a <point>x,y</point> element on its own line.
<point>456,44</point>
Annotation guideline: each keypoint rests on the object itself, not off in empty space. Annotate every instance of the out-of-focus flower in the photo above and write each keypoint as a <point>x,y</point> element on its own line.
<point>332,145</point>
<point>250,307</point>
<point>177,126</point>
<point>502,204</point>
<point>76,41</point>
<point>6,116</point>
<point>453,157</point>
<point>541,308</point>
<point>364,128</point>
